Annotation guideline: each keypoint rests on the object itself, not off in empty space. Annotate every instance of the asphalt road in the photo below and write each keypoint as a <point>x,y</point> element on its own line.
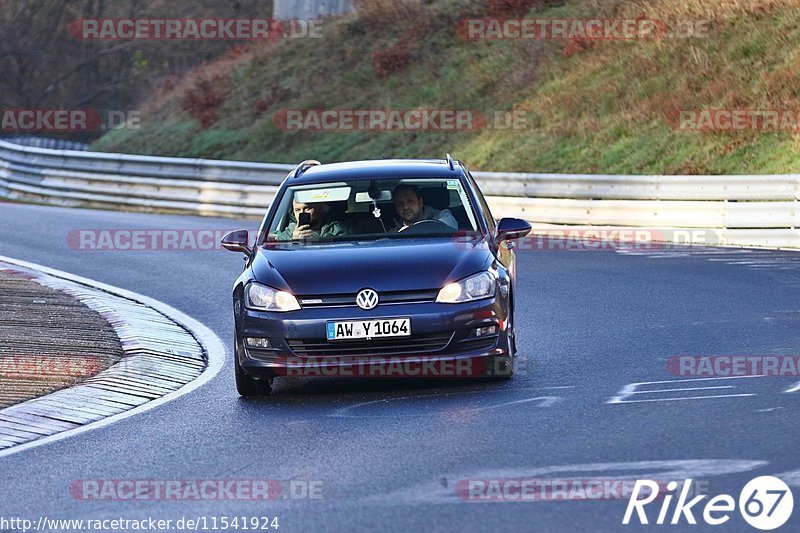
<point>389,454</point>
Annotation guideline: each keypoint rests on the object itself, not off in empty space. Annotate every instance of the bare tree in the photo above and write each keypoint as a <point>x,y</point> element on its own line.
<point>44,66</point>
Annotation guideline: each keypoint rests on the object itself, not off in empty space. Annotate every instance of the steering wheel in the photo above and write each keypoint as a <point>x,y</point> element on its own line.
<point>427,226</point>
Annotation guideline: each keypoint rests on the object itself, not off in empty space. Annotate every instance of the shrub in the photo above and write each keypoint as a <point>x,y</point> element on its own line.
<point>390,61</point>
<point>518,8</point>
<point>203,100</point>
<point>382,12</point>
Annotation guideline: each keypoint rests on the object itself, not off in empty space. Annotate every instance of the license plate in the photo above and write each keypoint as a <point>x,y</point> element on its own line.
<point>369,329</point>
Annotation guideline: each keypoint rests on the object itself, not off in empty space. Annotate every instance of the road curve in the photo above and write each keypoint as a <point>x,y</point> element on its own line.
<point>594,326</point>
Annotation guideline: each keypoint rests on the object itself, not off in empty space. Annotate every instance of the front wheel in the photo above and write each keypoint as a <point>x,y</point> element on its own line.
<point>504,367</point>
<point>507,364</point>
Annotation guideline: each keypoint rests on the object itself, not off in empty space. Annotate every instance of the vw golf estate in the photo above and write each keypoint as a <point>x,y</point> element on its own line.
<point>362,268</point>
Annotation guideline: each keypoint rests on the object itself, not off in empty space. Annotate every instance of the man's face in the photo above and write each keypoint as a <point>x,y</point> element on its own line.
<point>407,205</point>
<point>315,210</point>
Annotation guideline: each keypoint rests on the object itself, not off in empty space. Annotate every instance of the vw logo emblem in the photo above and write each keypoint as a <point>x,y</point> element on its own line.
<point>367,299</point>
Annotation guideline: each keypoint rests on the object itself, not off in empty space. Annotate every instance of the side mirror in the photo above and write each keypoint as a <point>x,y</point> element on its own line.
<point>512,228</point>
<point>237,241</point>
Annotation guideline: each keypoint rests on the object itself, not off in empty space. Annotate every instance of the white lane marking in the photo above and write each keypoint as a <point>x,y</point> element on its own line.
<point>790,478</point>
<point>687,398</point>
<point>546,401</point>
<point>215,350</point>
<point>768,409</point>
<point>634,388</point>
<point>704,379</point>
<point>793,388</point>
<point>688,388</point>
<point>625,392</point>
<point>759,260</point>
<point>738,262</point>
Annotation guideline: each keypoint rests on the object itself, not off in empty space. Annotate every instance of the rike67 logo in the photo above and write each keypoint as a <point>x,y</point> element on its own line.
<point>765,503</point>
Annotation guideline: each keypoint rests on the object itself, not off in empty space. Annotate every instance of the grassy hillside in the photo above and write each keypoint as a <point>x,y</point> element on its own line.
<point>591,106</point>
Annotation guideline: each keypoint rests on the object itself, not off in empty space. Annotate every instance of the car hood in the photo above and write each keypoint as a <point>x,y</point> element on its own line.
<point>348,267</point>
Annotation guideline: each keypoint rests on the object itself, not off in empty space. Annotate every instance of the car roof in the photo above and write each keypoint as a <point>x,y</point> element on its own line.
<point>378,169</point>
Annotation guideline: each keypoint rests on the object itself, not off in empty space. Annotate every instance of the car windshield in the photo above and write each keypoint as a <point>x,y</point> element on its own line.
<point>369,210</point>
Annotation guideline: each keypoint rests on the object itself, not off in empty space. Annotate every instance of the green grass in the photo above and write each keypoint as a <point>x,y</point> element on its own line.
<point>603,109</point>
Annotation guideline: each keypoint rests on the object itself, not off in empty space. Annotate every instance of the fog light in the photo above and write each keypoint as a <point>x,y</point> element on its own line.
<point>484,331</point>
<point>256,342</point>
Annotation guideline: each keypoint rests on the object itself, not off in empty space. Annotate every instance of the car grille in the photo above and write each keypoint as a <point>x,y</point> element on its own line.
<point>268,356</point>
<point>413,345</point>
<point>474,345</point>
<point>349,300</point>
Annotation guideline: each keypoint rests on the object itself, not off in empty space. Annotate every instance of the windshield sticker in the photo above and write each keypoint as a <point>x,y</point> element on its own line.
<point>328,194</point>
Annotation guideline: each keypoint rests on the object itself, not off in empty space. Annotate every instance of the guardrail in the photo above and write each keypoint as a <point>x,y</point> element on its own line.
<point>140,183</point>
<point>52,143</point>
<point>742,210</point>
<point>309,9</point>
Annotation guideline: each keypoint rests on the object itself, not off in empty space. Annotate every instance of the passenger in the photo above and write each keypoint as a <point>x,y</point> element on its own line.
<point>410,208</point>
<point>320,224</point>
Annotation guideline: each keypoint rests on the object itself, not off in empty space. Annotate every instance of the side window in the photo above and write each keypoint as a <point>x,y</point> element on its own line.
<point>491,222</point>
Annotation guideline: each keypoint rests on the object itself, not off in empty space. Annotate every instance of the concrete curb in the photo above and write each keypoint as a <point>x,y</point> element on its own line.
<point>166,355</point>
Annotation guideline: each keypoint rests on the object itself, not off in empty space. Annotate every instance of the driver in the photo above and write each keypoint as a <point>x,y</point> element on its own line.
<point>411,209</point>
<point>320,224</point>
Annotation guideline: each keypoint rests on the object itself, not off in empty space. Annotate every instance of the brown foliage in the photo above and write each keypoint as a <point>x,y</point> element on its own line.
<point>381,12</point>
<point>390,61</point>
<point>518,8</point>
<point>394,59</point>
<point>270,96</point>
<point>203,100</point>
<point>578,44</point>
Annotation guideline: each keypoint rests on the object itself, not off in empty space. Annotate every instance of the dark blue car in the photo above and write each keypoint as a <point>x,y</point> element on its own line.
<point>376,268</point>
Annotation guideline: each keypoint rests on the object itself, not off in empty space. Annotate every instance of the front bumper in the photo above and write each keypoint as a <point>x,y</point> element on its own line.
<point>441,345</point>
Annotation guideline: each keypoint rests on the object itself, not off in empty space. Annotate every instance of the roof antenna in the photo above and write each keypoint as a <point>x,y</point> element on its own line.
<point>305,165</point>
<point>450,162</point>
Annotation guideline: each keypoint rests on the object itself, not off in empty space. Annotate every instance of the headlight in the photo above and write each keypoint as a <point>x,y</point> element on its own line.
<point>266,298</point>
<point>474,287</point>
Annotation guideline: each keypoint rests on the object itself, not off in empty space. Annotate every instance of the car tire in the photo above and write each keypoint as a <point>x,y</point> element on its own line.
<point>502,366</point>
<point>247,385</point>
<point>511,346</point>
<point>505,365</point>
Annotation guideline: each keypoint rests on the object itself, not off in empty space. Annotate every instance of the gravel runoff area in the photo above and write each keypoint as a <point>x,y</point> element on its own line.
<point>49,340</point>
